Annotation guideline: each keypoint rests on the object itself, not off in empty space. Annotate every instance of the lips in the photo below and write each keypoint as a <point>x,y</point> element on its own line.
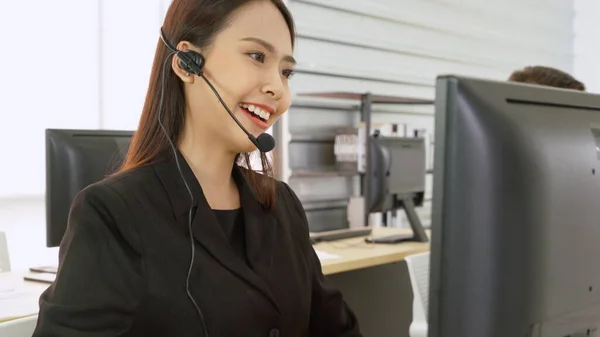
<point>256,110</point>
<point>257,115</point>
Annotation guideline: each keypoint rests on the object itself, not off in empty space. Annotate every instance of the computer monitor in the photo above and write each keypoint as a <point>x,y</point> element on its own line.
<point>398,182</point>
<point>74,160</point>
<point>398,169</point>
<point>515,211</point>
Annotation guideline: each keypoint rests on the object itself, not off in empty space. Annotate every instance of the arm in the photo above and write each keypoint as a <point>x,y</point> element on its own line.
<point>330,315</point>
<point>99,281</point>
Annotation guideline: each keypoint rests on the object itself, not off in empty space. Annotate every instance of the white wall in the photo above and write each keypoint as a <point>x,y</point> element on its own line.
<point>399,46</point>
<point>587,43</point>
<point>50,73</point>
<point>127,53</point>
<point>64,70</point>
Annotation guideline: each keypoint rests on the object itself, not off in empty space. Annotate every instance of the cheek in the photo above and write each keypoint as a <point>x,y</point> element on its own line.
<point>240,85</point>
<point>196,98</point>
<point>232,78</point>
<point>286,101</point>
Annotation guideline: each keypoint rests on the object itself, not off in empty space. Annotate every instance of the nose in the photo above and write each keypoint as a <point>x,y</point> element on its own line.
<point>274,85</point>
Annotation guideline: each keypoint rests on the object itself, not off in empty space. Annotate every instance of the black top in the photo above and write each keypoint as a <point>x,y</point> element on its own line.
<point>125,257</point>
<point>232,223</point>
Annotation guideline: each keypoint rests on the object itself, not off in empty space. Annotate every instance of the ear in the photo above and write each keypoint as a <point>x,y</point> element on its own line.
<point>181,73</point>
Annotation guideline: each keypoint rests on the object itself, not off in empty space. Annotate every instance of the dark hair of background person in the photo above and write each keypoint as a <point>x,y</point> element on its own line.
<point>546,76</point>
<point>196,21</point>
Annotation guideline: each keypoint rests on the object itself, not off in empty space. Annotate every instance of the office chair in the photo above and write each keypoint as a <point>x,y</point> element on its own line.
<point>418,271</point>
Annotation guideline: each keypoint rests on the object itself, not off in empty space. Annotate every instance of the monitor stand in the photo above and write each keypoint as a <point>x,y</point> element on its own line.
<point>418,232</point>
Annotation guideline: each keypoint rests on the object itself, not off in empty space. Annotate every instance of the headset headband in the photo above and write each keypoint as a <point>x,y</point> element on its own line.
<point>166,41</point>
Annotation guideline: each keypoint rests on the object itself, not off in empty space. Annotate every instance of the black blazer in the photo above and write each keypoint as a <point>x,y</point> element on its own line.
<point>125,256</point>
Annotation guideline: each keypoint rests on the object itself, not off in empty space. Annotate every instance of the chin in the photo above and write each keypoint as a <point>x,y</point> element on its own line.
<point>243,145</point>
<point>248,148</point>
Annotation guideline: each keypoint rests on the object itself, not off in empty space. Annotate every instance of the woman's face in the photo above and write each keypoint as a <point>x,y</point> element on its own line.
<point>249,64</point>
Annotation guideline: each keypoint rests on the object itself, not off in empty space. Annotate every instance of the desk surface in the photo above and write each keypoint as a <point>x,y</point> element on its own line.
<point>355,253</point>
<point>18,298</point>
<point>344,255</point>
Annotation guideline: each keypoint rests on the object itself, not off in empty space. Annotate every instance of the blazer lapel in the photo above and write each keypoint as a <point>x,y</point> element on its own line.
<point>260,226</point>
<point>206,228</point>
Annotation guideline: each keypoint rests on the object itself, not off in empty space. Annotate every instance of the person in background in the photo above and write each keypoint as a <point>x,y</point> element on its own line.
<point>187,240</point>
<point>547,76</point>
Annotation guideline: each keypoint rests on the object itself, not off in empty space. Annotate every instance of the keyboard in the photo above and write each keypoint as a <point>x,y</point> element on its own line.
<point>44,269</point>
<point>40,277</point>
<point>391,239</point>
<point>339,234</point>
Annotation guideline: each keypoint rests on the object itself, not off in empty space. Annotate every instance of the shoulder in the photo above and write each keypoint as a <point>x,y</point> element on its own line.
<point>284,194</point>
<point>124,183</point>
<point>289,202</point>
<point>285,197</point>
<point>288,211</point>
<point>110,196</point>
<point>288,196</point>
<point>104,210</point>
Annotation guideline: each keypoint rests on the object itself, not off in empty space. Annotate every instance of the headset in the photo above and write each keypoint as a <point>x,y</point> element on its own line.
<point>193,62</point>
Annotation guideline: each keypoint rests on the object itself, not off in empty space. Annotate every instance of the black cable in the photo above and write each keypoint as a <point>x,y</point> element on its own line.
<point>192,245</point>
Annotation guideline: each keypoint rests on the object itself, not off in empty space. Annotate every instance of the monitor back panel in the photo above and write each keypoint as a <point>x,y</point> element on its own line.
<point>515,218</point>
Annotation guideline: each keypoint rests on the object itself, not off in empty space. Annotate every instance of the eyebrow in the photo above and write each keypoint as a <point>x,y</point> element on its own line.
<point>269,47</point>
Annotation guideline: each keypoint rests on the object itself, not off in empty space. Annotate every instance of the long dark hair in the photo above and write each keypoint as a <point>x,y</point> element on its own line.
<point>196,21</point>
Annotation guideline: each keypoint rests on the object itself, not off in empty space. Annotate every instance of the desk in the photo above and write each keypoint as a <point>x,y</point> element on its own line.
<point>18,298</point>
<point>374,280</point>
<point>374,284</point>
<point>355,253</point>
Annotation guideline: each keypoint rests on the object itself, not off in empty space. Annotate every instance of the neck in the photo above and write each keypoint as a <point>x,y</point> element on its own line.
<point>212,166</point>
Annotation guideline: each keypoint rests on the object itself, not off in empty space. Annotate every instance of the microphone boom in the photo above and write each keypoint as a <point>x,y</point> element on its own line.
<point>264,143</point>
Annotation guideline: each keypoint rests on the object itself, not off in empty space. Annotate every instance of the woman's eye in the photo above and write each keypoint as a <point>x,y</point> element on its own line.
<point>288,73</point>
<point>260,57</point>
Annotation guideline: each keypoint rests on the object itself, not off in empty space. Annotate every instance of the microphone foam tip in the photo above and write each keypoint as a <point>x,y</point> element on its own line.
<point>266,142</point>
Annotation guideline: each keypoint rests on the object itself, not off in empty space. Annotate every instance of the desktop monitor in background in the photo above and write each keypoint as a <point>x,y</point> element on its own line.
<point>74,160</point>
<point>398,182</point>
<point>516,211</point>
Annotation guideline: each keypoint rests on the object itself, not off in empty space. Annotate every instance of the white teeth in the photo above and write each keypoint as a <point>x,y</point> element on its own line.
<point>256,110</point>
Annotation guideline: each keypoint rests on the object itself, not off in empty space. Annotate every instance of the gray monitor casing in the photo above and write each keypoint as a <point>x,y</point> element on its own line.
<point>398,169</point>
<point>515,211</point>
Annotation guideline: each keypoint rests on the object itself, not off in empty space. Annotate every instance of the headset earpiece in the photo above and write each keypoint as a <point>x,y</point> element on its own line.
<point>191,61</point>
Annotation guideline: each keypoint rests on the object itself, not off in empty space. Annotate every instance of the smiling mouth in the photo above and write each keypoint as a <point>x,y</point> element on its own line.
<point>256,112</point>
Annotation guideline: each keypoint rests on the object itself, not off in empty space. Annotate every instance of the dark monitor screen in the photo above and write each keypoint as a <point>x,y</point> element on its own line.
<point>74,160</point>
<point>515,211</point>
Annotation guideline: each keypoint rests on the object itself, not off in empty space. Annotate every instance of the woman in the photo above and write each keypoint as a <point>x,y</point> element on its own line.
<point>184,241</point>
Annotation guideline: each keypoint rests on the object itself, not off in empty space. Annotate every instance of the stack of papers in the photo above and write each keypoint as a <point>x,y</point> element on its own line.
<point>326,256</point>
<point>16,300</point>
